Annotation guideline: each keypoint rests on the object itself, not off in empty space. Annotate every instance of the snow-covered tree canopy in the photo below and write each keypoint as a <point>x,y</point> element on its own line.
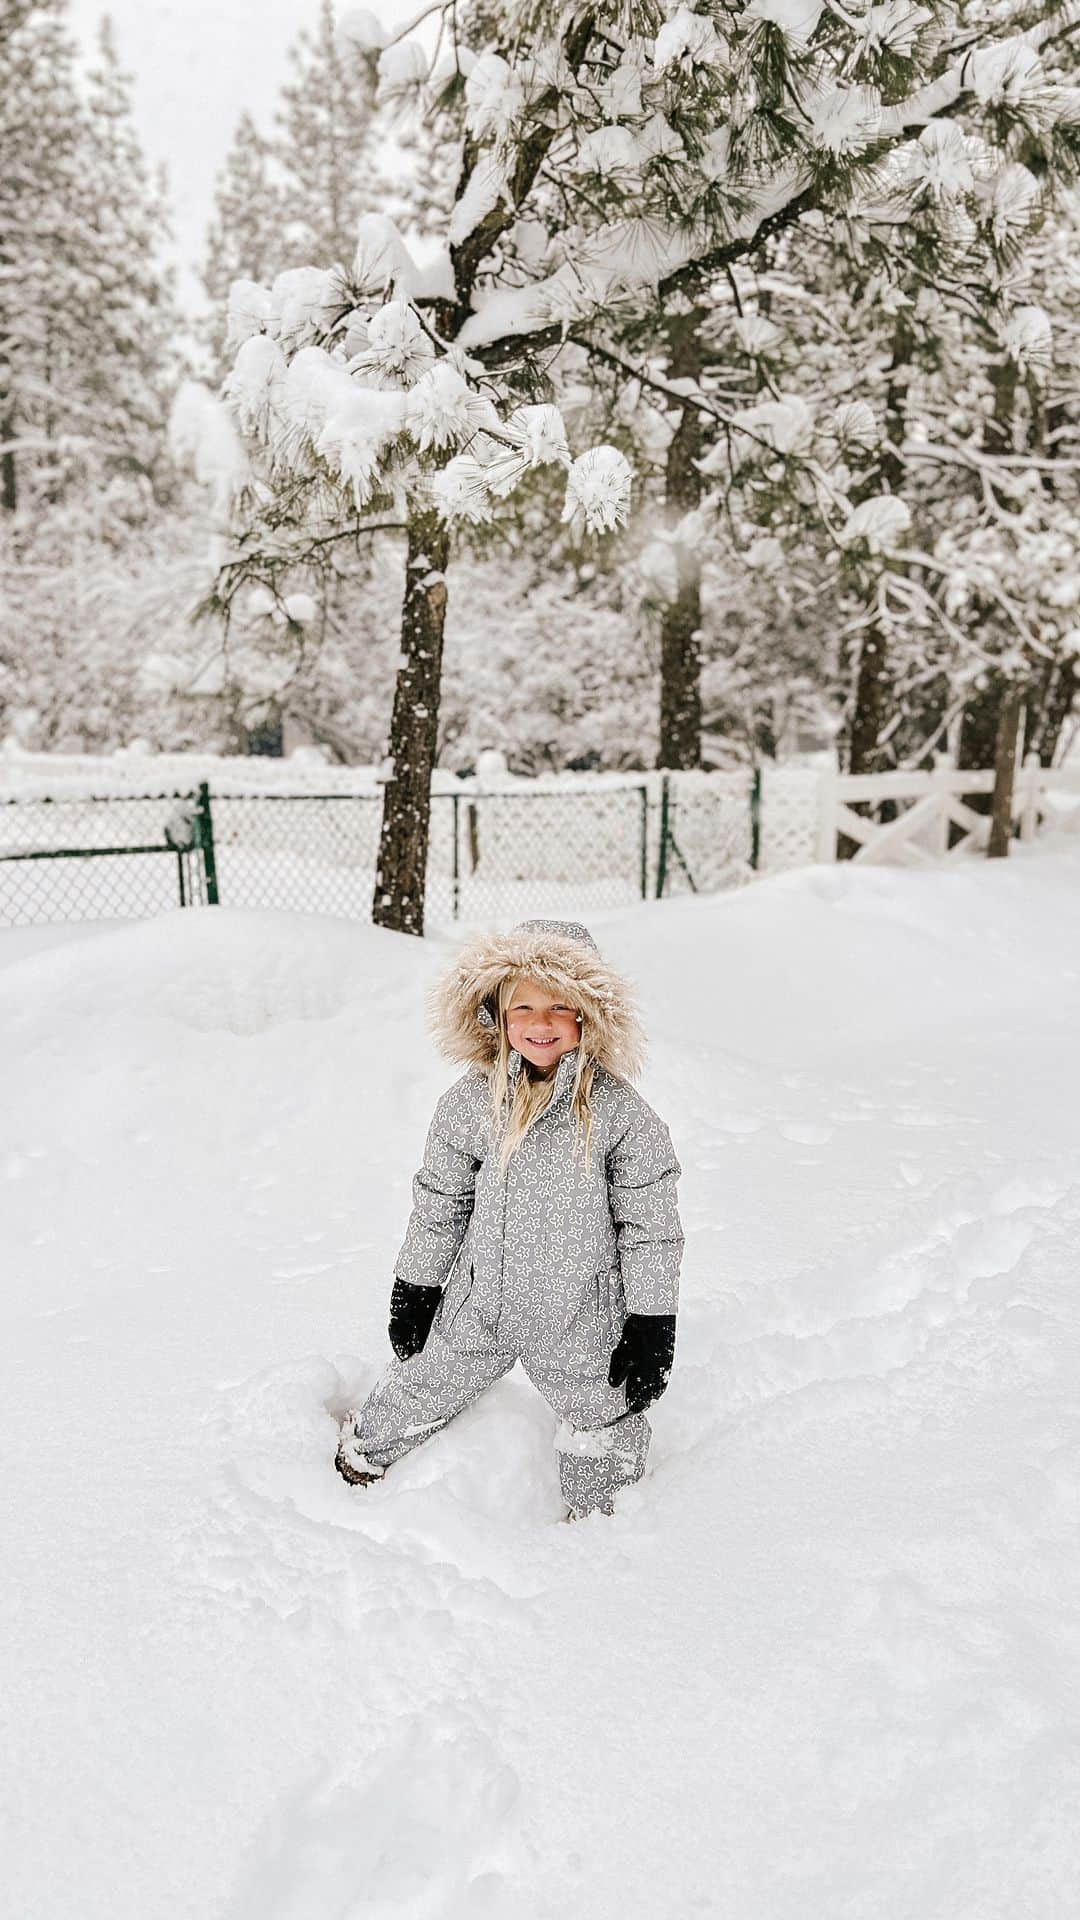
<point>616,158</point>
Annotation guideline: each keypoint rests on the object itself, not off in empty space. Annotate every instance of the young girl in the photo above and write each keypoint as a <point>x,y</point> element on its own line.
<point>544,1225</point>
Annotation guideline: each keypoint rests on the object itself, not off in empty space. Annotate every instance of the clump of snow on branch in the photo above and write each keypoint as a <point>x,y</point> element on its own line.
<point>442,410</point>
<point>877,523</point>
<point>403,67</point>
<point>494,98</point>
<point>690,39</point>
<point>357,434</point>
<point>598,491</point>
<point>796,19</point>
<point>398,351</point>
<point>360,31</point>
<point>855,425</point>
<point>786,425</point>
<point>896,26</point>
<point>460,491</point>
<point>487,185</point>
<point>536,437</point>
<point>204,440</point>
<point>1028,337</point>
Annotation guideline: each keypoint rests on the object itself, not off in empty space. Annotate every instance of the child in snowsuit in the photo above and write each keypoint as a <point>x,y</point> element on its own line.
<point>544,1225</point>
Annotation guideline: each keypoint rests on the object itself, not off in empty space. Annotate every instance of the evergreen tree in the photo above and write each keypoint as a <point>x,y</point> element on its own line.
<point>85,308</point>
<point>618,162</point>
<point>324,145</point>
<point>245,237</point>
<point>132,366</point>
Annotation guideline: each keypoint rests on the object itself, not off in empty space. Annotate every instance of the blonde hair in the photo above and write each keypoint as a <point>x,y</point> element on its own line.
<point>513,1116</point>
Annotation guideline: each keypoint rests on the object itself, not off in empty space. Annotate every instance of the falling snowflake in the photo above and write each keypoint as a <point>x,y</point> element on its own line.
<point>598,490</point>
<point>658,564</point>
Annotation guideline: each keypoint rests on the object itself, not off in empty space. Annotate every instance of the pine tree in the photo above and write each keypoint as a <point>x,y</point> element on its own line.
<point>245,237</point>
<point>324,145</point>
<point>615,162</point>
<point>131,369</point>
<point>42,236</point>
<point>85,308</point>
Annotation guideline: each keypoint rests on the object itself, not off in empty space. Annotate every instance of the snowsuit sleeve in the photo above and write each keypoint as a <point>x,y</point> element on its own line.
<point>443,1192</point>
<point>642,1172</point>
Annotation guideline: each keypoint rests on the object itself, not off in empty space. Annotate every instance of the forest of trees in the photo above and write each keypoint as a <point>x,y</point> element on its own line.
<point>656,385</point>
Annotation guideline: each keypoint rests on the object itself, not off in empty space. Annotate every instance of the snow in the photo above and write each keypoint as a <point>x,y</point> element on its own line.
<point>881,521</point>
<point>821,1662</point>
<point>488,185</point>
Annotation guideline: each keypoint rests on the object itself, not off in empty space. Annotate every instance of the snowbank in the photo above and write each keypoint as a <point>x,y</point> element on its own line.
<point>821,1661</point>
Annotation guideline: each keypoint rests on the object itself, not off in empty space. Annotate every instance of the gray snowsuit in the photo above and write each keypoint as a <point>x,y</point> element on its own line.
<point>540,1263</point>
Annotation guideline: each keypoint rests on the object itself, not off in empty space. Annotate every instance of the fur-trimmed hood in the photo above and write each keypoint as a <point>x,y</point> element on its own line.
<point>562,956</point>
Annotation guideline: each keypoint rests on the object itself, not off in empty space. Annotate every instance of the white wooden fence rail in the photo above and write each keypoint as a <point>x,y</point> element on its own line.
<point>920,834</point>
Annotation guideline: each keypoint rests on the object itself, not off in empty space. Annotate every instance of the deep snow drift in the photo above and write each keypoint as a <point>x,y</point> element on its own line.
<point>824,1664</point>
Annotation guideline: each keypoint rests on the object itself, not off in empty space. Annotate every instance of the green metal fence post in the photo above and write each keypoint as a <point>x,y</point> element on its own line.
<point>204,823</point>
<point>755,818</point>
<point>644,791</point>
<point>455,871</point>
<point>661,857</point>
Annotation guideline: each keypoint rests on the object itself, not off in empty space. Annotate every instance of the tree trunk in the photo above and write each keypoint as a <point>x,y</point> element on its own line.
<point>873,679</point>
<point>872,691</point>
<point>403,840</point>
<point>9,498</point>
<point>980,726</point>
<point>1005,772</point>
<point>680,626</point>
<point>1053,703</point>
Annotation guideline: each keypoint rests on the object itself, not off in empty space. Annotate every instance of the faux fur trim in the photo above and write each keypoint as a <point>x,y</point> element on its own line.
<point>563,965</point>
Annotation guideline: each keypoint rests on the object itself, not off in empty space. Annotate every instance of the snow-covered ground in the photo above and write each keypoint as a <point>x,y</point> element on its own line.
<point>824,1664</point>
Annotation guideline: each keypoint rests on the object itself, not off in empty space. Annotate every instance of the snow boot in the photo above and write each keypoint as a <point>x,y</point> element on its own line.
<point>351,1461</point>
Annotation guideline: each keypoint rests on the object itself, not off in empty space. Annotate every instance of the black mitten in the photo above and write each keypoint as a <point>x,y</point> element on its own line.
<point>412,1310</point>
<point>643,1358</point>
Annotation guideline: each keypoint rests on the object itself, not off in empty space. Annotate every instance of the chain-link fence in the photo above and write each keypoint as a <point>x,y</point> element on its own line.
<point>114,858</point>
<point>493,853</point>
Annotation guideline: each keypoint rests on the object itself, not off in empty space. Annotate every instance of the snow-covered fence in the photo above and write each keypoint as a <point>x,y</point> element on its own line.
<point>103,858</point>
<point>499,847</point>
<point>931,818</point>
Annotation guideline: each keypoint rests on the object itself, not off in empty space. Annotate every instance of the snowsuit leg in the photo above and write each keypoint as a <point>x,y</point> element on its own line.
<point>417,1398</point>
<point>600,1446</point>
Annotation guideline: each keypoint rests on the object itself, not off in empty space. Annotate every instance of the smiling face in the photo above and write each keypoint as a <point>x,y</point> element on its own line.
<point>540,1025</point>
